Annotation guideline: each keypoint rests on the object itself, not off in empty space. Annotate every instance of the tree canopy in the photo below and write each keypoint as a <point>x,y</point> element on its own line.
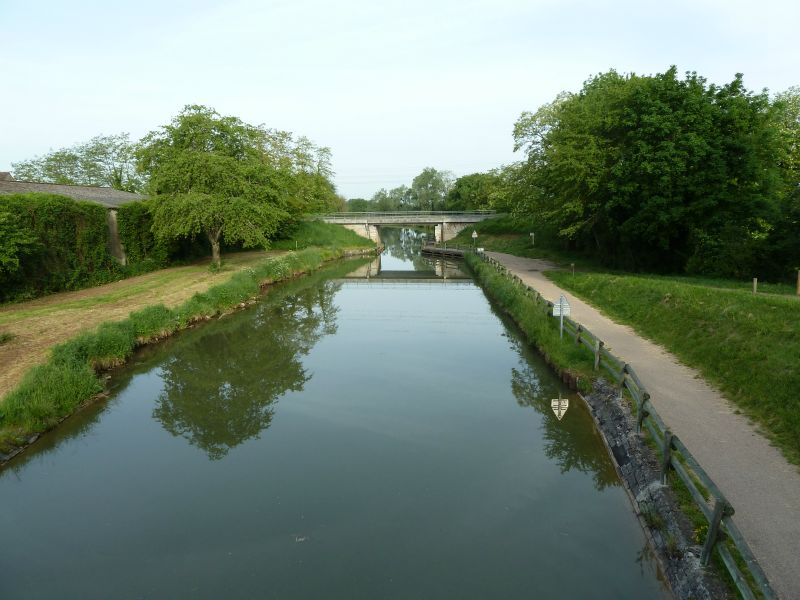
<point>105,160</point>
<point>654,172</point>
<point>230,181</point>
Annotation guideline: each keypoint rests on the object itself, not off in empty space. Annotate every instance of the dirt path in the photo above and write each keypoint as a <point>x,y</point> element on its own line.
<point>759,483</point>
<point>40,324</point>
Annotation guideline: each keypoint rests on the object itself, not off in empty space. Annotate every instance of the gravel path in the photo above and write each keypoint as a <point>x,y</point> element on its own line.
<point>762,486</point>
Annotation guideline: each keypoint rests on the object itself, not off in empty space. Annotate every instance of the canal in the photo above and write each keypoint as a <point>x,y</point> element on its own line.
<point>374,430</point>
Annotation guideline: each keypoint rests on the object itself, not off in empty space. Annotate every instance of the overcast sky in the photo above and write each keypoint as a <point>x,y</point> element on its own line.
<point>390,86</point>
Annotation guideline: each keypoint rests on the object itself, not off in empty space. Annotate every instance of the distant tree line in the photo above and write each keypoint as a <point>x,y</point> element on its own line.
<point>437,190</point>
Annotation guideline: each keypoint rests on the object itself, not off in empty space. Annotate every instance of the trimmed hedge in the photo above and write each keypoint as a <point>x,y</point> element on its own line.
<point>72,246</point>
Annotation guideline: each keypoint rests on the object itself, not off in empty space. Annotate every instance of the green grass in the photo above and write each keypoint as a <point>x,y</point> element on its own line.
<point>532,317</point>
<point>510,236</point>
<point>317,233</point>
<point>5,337</point>
<point>52,391</point>
<point>746,345</point>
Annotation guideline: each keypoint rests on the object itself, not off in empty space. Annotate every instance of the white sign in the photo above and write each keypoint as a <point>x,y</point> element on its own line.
<point>474,234</point>
<point>559,406</point>
<point>561,308</point>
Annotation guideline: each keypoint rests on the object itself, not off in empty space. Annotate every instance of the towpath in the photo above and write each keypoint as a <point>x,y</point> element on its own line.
<point>762,486</point>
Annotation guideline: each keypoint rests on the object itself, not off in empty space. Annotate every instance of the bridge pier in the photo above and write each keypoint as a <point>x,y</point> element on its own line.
<point>365,230</point>
<point>447,231</point>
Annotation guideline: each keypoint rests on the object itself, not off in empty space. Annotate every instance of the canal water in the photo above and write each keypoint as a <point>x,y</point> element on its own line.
<point>375,430</point>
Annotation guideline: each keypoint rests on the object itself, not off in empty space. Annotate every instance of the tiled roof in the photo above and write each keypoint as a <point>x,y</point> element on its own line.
<point>108,197</point>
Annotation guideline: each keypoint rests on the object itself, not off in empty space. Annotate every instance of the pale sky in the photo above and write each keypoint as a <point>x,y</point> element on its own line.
<point>390,86</point>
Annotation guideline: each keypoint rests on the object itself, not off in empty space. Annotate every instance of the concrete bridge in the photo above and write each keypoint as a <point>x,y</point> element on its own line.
<point>446,224</point>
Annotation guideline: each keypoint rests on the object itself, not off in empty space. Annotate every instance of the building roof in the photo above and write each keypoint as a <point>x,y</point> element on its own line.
<point>108,197</point>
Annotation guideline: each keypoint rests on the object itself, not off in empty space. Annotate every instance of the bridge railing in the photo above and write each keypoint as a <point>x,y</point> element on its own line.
<point>408,213</point>
<point>722,534</point>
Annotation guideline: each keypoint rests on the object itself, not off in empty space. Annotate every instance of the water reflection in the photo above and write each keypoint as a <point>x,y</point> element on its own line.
<point>221,385</point>
<point>566,440</point>
<point>405,244</point>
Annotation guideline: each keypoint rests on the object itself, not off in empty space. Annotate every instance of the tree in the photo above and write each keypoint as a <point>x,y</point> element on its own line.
<point>430,187</point>
<point>106,161</point>
<point>652,171</point>
<point>478,191</point>
<point>211,175</point>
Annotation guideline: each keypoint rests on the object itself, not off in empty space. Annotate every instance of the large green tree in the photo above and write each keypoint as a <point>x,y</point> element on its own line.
<point>430,188</point>
<point>212,175</point>
<point>105,160</point>
<point>654,171</point>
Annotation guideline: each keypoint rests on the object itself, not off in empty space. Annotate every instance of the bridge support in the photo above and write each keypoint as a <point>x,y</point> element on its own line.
<point>447,231</point>
<point>365,230</point>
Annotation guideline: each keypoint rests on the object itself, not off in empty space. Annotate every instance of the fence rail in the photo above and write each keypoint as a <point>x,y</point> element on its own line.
<point>675,456</point>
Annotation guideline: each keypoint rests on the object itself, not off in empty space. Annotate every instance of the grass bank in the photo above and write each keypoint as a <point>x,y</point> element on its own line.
<point>532,317</point>
<point>308,234</point>
<point>51,391</point>
<point>747,345</point>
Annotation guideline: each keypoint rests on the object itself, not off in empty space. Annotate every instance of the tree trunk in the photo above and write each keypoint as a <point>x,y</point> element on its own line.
<point>213,237</point>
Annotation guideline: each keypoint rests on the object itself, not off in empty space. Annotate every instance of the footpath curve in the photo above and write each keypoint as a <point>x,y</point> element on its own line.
<point>762,486</point>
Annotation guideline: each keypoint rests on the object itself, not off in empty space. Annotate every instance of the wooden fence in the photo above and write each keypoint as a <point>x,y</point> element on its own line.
<point>722,531</point>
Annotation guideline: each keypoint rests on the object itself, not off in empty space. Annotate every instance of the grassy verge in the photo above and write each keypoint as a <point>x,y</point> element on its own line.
<point>746,345</point>
<point>51,391</point>
<point>540,329</point>
<point>317,233</point>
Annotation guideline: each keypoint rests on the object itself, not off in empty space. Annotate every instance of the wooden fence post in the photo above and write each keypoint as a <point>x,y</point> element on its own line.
<point>713,530</point>
<point>642,413</point>
<point>666,449</point>
<point>597,347</point>
<point>578,335</point>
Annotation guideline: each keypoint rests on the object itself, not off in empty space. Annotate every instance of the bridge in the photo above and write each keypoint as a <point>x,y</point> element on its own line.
<point>446,224</point>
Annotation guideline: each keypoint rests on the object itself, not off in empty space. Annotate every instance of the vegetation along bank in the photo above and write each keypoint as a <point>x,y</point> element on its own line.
<point>50,392</point>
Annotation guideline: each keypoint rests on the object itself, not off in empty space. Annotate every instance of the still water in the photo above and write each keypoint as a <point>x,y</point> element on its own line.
<point>386,435</point>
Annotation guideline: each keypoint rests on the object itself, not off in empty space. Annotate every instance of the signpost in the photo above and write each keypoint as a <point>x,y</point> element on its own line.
<point>561,310</point>
<point>559,406</point>
<point>533,239</point>
<point>474,237</point>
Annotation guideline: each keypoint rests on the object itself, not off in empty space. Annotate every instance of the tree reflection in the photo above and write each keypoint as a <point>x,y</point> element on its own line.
<point>572,442</point>
<point>221,385</point>
<point>406,244</point>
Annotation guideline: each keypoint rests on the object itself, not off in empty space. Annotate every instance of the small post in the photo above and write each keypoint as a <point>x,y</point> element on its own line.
<point>578,335</point>
<point>755,285</point>
<point>642,412</point>
<point>573,268</point>
<point>598,345</point>
<point>713,531</point>
<point>666,450</point>
<point>561,323</point>
<point>533,239</point>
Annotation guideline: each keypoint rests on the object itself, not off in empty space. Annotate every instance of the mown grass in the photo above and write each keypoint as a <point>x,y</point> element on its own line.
<point>540,329</point>
<point>54,390</point>
<point>317,233</point>
<point>747,345</point>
